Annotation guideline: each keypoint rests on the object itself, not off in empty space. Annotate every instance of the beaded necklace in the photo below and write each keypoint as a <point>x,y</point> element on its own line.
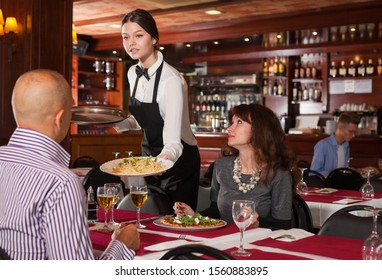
<point>244,187</point>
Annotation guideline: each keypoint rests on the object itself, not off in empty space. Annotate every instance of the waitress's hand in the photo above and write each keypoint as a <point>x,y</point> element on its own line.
<point>164,156</point>
<point>183,209</point>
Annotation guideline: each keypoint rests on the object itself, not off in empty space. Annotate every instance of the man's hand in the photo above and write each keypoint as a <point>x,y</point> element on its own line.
<point>129,235</point>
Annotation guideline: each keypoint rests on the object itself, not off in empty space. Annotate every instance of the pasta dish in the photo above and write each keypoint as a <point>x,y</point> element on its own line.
<point>138,165</point>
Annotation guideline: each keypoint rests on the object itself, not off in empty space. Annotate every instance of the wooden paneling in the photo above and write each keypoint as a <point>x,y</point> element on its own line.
<point>43,41</point>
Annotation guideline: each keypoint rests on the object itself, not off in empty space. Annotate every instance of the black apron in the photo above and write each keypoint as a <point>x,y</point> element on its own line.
<point>181,182</point>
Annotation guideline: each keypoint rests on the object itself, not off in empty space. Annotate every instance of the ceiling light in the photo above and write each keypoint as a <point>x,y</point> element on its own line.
<point>216,43</point>
<point>161,48</point>
<point>246,39</point>
<point>188,45</point>
<point>213,12</point>
<point>314,33</point>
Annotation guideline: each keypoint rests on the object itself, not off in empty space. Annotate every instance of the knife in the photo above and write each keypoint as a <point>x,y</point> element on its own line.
<point>145,220</point>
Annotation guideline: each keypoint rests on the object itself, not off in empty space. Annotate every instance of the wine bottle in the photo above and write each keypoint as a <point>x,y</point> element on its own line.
<point>379,68</point>
<point>265,69</point>
<point>351,69</point>
<point>370,68</point>
<point>265,87</point>
<point>295,92</point>
<point>361,69</point>
<point>92,206</point>
<point>333,70</point>
<point>342,70</point>
<point>276,67</point>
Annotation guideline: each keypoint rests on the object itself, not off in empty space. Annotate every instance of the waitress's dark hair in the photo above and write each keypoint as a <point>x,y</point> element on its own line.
<point>145,20</point>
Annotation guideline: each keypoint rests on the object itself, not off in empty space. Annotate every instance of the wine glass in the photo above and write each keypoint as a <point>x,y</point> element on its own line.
<point>115,154</point>
<point>118,192</point>
<point>105,198</point>
<point>372,247</point>
<point>242,213</point>
<point>138,196</point>
<point>367,189</point>
<point>302,187</point>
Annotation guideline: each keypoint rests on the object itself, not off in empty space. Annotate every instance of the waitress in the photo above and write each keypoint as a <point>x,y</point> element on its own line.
<point>159,102</point>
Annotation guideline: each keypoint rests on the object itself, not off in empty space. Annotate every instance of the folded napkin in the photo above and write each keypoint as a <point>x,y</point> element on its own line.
<point>325,190</point>
<point>98,226</point>
<point>290,234</point>
<point>169,245</point>
<point>347,201</point>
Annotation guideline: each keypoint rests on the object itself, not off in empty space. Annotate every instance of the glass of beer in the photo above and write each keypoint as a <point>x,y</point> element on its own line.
<point>138,196</point>
<point>106,198</point>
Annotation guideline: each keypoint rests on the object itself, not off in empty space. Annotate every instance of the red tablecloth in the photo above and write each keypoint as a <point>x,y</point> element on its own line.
<point>338,248</point>
<point>330,197</point>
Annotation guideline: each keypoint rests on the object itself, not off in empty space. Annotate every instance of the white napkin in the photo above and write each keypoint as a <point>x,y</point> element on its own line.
<point>169,245</point>
<point>98,226</point>
<point>325,190</point>
<point>294,233</point>
<point>346,201</point>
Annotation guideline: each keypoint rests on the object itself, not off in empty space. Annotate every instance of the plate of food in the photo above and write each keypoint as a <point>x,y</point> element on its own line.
<point>136,166</point>
<point>189,223</point>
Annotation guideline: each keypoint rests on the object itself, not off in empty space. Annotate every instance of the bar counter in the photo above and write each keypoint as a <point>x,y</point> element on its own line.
<point>364,149</point>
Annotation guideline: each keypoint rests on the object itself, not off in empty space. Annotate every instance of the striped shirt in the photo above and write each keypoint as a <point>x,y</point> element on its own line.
<point>43,213</point>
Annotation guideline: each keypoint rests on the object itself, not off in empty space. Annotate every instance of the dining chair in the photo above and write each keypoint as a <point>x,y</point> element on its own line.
<point>345,178</point>
<point>85,161</point>
<point>349,224</point>
<point>314,179</point>
<point>376,181</point>
<point>193,251</point>
<point>95,178</point>
<point>302,217</point>
<point>157,202</point>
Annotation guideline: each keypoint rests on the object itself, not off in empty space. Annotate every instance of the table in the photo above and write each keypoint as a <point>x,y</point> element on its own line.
<point>226,238</point>
<point>323,205</point>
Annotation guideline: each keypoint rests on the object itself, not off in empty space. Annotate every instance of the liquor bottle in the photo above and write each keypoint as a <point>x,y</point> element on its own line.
<point>92,206</point>
<point>333,70</point>
<point>265,87</point>
<point>370,68</point>
<point>379,68</point>
<point>296,70</point>
<point>270,67</point>
<point>197,105</point>
<point>276,67</point>
<point>265,69</point>
<point>342,70</point>
<point>302,71</point>
<point>308,71</point>
<point>361,69</point>
<point>275,87</point>
<point>282,67</point>
<point>351,69</point>
<point>204,104</point>
<point>295,92</point>
<point>280,88</point>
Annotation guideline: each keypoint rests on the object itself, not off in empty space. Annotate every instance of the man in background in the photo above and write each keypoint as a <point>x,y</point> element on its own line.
<point>43,213</point>
<point>333,152</point>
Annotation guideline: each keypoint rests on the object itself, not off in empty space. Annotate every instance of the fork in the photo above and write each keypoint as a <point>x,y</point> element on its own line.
<point>183,237</point>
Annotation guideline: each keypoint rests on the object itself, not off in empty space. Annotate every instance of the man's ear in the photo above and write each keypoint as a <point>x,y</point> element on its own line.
<point>58,120</point>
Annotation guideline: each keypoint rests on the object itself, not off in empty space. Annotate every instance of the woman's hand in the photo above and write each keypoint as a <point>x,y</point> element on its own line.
<point>255,222</point>
<point>183,209</point>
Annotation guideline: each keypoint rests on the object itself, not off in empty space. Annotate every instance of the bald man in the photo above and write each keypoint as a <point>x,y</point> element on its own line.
<point>42,203</point>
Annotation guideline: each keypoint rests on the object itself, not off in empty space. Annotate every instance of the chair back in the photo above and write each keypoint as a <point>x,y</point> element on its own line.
<point>4,255</point>
<point>376,181</point>
<point>315,179</point>
<point>302,217</point>
<point>85,161</point>
<point>187,252</point>
<point>344,223</point>
<point>345,178</point>
<point>95,178</point>
<point>157,202</point>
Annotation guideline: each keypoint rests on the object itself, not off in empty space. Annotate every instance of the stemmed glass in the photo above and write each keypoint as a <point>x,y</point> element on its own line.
<point>242,214</point>
<point>118,192</point>
<point>372,247</point>
<point>115,154</point>
<point>105,198</point>
<point>138,196</point>
<point>302,187</point>
<point>367,189</point>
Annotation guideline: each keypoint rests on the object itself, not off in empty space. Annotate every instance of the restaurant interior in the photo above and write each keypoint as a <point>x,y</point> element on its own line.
<point>287,55</point>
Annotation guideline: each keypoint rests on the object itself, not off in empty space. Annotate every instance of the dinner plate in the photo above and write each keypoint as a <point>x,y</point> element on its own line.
<point>158,222</point>
<point>84,115</point>
<point>107,167</point>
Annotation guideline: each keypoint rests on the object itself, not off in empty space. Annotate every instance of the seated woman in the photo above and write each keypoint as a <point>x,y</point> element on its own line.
<point>256,168</point>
